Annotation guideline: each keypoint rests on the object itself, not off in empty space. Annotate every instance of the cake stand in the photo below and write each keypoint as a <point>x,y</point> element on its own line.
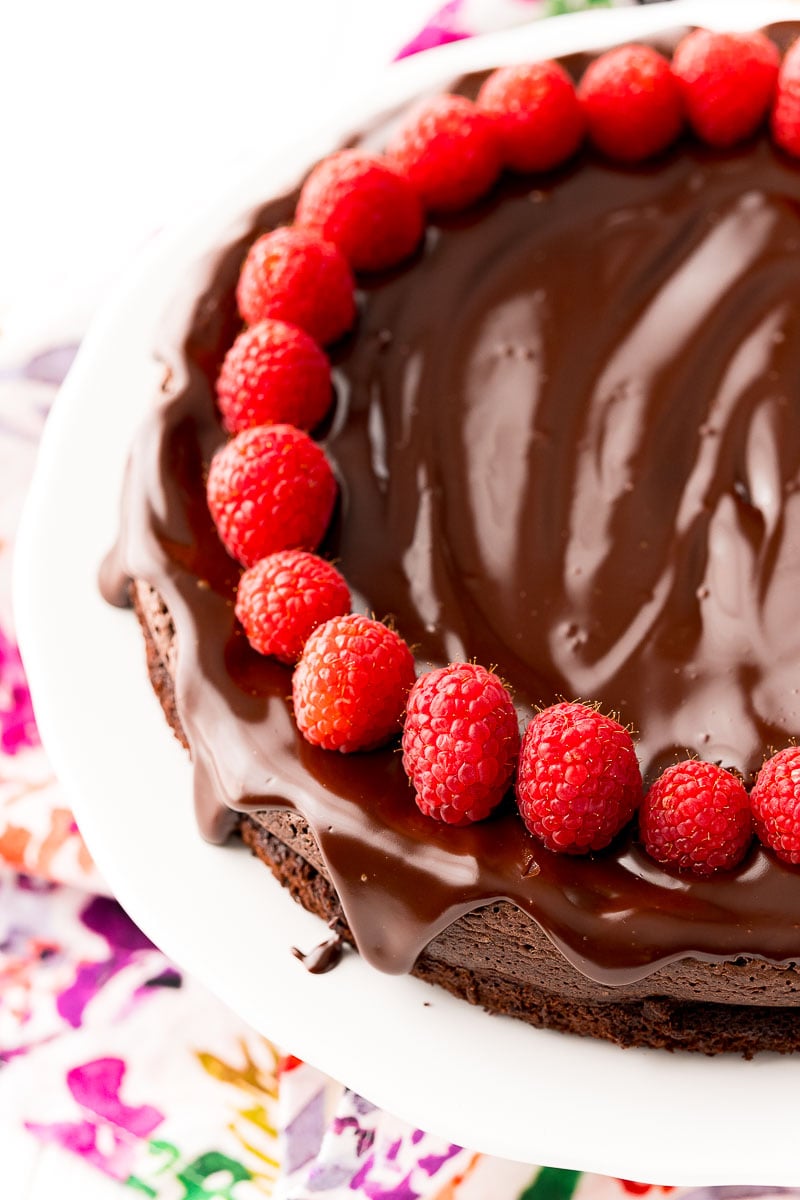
<point>490,1083</point>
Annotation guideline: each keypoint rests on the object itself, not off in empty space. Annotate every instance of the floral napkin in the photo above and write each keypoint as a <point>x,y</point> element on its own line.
<point>107,1051</point>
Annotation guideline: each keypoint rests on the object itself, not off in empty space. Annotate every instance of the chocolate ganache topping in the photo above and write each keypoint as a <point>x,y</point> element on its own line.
<point>567,438</point>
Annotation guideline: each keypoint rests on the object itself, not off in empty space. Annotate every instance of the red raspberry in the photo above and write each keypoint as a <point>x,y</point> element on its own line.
<point>537,114</point>
<point>632,103</point>
<point>274,373</point>
<point>350,686</point>
<point>271,488</point>
<point>696,817</point>
<point>460,742</point>
<point>727,81</point>
<point>283,598</point>
<point>365,206</point>
<point>449,150</point>
<point>578,782</point>
<point>296,276</point>
<point>786,112</point>
<point>775,801</point>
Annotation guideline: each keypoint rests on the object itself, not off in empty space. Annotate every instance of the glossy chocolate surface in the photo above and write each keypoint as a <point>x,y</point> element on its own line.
<point>567,438</point>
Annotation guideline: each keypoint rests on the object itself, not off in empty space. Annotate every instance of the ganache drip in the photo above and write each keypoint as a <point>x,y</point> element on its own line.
<point>568,445</point>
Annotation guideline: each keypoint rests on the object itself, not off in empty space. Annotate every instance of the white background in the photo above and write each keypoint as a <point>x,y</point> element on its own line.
<point>116,118</point>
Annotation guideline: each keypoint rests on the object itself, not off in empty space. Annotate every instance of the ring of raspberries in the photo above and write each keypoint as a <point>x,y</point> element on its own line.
<point>271,491</point>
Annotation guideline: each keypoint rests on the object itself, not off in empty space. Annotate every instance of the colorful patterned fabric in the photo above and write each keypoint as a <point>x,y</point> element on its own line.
<point>107,1051</point>
<point>459,19</point>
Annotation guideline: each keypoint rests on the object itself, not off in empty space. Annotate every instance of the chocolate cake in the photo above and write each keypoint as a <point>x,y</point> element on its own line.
<point>566,445</point>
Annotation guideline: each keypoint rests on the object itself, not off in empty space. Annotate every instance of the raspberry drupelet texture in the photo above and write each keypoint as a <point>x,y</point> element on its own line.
<point>696,818</point>
<point>282,599</point>
<point>786,110</point>
<point>351,683</point>
<point>450,152</point>
<point>727,81</point>
<point>460,742</point>
<point>365,206</point>
<point>274,373</point>
<point>296,276</point>
<point>632,103</point>
<point>270,488</point>
<point>578,782</point>
<point>538,117</point>
<point>775,801</point>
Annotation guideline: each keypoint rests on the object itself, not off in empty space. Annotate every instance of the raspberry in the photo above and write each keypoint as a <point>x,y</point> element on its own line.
<point>632,103</point>
<point>696,817</point>
<point>350,686</point>
<point>365,206</point>
<point>460,742</point>
<point>283,598</point>
<point>271,488</point>
<point>449,150</point>
<point>296,276</point>
<point>727,81</point>
<point>786,111</point>
<point>775,801</point>
<point>273,373</point>
<point>538,117</point>
<point>578,782</point>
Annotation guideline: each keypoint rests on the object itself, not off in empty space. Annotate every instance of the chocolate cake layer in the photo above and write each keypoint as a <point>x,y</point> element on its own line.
<point>566,442</point>
<point>499,958</point>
